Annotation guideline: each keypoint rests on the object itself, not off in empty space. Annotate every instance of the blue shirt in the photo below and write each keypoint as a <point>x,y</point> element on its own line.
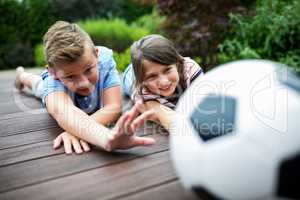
<point>108,77</point>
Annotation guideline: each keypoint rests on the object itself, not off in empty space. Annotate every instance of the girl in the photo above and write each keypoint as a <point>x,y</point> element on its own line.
<point>156,79</point>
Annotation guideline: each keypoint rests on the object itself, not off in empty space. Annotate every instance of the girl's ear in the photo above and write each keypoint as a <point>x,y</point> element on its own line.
<point>52,72</point>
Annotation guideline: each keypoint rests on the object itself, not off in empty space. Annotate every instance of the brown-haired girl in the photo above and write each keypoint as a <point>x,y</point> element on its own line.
<point>156,79</point>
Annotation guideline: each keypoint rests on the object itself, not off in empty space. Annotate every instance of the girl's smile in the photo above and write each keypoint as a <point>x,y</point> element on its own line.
<point>160,79</point>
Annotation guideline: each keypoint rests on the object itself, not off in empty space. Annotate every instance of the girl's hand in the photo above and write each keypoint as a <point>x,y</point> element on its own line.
<point>123,138</point>
<point>70,141</point>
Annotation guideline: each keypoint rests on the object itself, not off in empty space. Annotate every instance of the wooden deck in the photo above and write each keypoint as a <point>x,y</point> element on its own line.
<point>31,169</point>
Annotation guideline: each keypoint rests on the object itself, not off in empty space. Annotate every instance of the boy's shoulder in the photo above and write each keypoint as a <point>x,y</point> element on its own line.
<point>105,54</point>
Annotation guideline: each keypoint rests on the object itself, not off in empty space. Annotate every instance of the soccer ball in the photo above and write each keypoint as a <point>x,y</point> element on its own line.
<point>237,133</point>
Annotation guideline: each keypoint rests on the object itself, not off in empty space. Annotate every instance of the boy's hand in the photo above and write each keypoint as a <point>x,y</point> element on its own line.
<point>138,114</point>
<point>70,141</point>
<point>123,137</point>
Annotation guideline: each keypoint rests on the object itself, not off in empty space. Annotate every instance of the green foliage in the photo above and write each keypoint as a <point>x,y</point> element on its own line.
<point>122,59</point>
<point>39,55</point>
<point>272,33</point>
<point>115,34</point>
<point>76,10</point>
<point>24,22</point>
<point>199,26</point>
<point>151,22</point>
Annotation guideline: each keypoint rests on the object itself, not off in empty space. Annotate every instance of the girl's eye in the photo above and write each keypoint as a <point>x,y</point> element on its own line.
<point>168,69</point>
<point>152,77</point>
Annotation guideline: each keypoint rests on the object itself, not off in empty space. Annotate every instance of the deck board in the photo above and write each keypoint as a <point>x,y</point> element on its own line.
<point>31,169</point>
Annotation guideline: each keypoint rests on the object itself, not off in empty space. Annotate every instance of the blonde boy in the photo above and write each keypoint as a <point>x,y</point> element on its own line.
<point>80,79</point>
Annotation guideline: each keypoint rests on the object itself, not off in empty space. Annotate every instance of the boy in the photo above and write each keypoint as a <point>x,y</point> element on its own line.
<point>80,79</point>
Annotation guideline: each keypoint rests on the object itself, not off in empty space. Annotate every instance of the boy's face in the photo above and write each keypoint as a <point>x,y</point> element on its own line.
<point>81,76</point>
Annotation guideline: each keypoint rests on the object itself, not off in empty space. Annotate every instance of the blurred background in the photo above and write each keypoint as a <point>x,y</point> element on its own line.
<point>211,32</point>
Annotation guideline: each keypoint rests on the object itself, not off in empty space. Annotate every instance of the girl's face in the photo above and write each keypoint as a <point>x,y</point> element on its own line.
<point>160,79</point>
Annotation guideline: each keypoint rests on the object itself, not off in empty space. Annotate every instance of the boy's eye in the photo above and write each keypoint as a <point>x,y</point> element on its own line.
<point>88,70</point>
<point>69,77</point>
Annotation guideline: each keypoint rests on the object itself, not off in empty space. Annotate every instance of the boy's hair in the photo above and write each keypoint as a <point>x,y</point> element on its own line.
<point>155,48</point>
<point>65,42</point>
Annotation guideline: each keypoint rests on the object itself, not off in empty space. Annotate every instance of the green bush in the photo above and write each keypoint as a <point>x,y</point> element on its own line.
<point>76,10</point>
<point>24,22</point>
<point>122,59</point>
<point>199,26</point>
<point>115,34</point>
<point>39,55</point>
<point>272,33</point>
<point>151,22</point>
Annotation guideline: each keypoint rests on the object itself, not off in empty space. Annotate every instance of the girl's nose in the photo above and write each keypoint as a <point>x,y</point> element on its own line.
<point>164,81</point>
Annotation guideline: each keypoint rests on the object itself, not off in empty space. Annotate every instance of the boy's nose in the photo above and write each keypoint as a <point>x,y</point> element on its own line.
<point>83,81</point>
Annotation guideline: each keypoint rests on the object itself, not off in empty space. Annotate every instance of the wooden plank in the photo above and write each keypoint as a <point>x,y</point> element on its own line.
<point>27,152</point>
<point>13,106</point>
<point>23,123</point>
<point>169,190</point>
<point>108,182</point>
<point>29,138</point>
<point>37,148</point>
<point>43,169</point>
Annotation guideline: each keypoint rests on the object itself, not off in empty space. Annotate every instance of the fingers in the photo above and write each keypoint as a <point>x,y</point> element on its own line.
<point>71,142</point>
<point>119,128</point>
<point>140,120</point>
<point>143,141</point>
<point>67,144</point>
<point>57,142</point>
<point>85,145</point>
<point>131,115</point>
<point>76,145</point>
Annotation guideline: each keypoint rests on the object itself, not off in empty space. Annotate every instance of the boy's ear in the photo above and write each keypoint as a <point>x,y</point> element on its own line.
<point>97,51</point>
<point>52,72</point>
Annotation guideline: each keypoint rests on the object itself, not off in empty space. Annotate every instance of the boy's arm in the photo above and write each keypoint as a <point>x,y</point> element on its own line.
<point>112,106</point>
<point>78,123</point>
<point>75,121</point>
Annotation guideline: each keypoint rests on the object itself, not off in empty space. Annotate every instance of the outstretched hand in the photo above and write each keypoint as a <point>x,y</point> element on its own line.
<point>123,136</point>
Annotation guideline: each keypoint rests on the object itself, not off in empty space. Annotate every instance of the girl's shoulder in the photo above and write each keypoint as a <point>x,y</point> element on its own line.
<point>190,63</point>
<point>191,70</point>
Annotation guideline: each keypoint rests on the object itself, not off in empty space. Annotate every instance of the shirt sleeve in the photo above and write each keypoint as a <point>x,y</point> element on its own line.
<point>111,76</point>
<point>51,85</point>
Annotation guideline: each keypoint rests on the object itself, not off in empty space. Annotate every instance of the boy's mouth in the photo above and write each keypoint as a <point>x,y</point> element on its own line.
<point>84,91</point>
